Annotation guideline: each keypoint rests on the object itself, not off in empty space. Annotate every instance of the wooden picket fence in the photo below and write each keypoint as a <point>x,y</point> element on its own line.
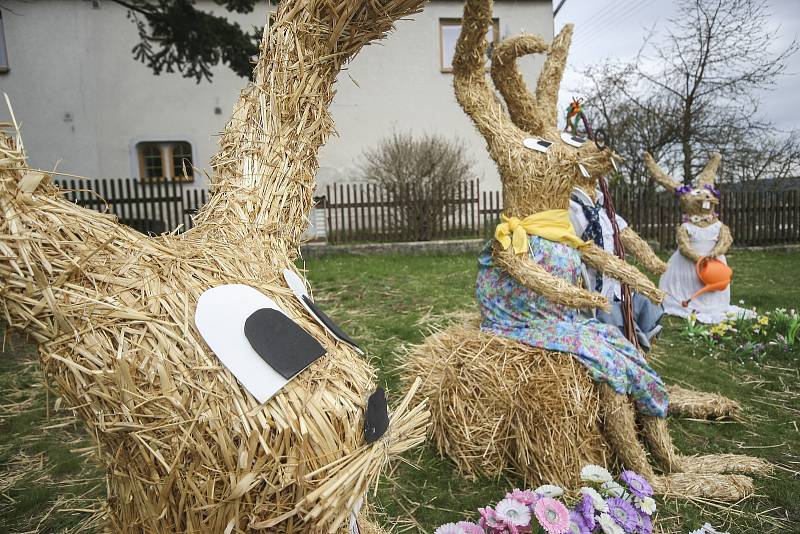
<point>151,208</point>
<point>360,212</point>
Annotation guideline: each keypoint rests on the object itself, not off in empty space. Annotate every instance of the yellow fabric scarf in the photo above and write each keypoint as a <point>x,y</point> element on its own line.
<point>552,225</point>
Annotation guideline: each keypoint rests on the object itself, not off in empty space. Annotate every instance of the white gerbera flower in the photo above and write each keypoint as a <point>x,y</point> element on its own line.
<point>450,528</point>
<point>513,512</point>
<point>595,473</point>
<point>608,525</point>
<point>598,501</point>
<point>548,490</point>
<point>613,489</point>
<point>646,505</point>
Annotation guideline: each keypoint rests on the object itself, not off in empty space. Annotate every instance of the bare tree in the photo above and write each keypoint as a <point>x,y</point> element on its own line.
<point>422,173</point>
<point>697,91</point>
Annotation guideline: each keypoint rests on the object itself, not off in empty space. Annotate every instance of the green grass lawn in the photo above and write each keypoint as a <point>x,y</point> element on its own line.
<point>387,302</point>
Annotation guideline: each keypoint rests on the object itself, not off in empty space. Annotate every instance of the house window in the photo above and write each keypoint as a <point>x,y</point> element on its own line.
<point>161,161</point>
<point>3,51</point>
<point>182,169</point>
<point>450,29</point>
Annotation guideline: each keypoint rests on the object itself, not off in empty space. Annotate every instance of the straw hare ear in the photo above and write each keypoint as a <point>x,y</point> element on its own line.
<point>709,174</point>
<point>550,78</point>
<point>658,174</point>
<point>532,113</point>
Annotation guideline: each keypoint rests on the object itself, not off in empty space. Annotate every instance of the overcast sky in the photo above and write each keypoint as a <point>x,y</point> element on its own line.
<point>616,29</point>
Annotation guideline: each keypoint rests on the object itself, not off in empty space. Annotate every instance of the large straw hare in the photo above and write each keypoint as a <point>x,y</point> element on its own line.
<point>186,448</point>
<point>701,235</point>
<point>523,112</point>
<point>499,403</point>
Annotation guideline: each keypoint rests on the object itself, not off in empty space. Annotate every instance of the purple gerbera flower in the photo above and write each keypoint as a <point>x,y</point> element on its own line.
<point>637,484</point>
<point>645,525</point>
<point>585,508</point>
<point>623,513</point>
<point>577,524</point>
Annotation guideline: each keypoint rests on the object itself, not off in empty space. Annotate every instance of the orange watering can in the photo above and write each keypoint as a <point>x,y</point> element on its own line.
<point>714,274</point>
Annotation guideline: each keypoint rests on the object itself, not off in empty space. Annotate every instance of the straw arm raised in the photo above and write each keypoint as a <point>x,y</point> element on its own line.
<point>537,279</point>
<point>724,242</point>
<point>644,254</point>
<point>618,269</point>
<point>264,171</point>
<point>685,246</point>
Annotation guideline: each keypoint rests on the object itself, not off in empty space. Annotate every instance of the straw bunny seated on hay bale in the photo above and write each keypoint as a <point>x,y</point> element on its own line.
<point>516,393</point>
<point>185,446</point>
<point>701,236</point>
<point>589,214</point>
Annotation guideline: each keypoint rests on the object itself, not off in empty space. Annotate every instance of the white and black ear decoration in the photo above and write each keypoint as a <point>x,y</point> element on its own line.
<point>298,287</point>
<point>280,342</point>
<point>376,420</point>
<point>534,143</point>
<point>573,140</point>
<point>254,339</point>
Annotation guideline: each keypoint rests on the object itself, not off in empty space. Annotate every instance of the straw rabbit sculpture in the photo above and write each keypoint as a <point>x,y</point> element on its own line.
<point>522,110</point>
<point>498,403</point>
<point>185,447</point>
<point>701,235</point>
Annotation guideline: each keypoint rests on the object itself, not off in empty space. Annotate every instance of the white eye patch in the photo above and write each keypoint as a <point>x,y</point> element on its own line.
<point>572,140</point>
<point>534,143</point>
<point>223,316</point>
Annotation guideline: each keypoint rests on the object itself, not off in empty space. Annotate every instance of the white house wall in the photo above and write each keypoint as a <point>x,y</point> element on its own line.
<point>84,102</point>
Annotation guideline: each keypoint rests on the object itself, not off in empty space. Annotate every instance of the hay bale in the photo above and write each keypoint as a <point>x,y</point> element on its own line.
<point>498,404</point>
<point>185,447</point>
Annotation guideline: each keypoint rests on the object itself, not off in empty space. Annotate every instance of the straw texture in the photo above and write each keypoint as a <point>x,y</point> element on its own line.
<point>699,405</point>
<point>644,253</point>
<point>497,403</point>
<point>185,447</point>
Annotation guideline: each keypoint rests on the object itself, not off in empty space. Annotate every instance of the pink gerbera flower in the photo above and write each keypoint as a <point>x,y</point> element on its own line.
<point>490,520</point>
<point>524,496</point>
<point>470,528</point>
<point>450,528</point>
<point>552,515</point>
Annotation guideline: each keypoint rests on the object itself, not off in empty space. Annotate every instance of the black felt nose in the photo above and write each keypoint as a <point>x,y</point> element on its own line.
<point>376,420</point>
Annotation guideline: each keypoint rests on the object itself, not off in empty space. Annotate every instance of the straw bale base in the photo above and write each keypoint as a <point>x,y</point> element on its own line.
<point>499,405</point>
<point>700,405</point>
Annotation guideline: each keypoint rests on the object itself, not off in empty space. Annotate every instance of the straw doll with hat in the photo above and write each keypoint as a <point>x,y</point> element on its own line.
<point>186,447</point>
<point>539,387</point>
<point>703,241</point>
<point>593,216</point>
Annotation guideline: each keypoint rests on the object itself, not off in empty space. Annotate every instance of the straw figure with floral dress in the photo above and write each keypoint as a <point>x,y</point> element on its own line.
<point>540,387</point>
<point>590,216</point>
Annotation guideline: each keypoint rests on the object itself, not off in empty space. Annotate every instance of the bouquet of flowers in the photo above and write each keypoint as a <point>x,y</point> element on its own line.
<point>603,505</point>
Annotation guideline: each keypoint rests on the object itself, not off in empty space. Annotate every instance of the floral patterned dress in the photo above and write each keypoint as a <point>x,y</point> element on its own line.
<point>512,310</point>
